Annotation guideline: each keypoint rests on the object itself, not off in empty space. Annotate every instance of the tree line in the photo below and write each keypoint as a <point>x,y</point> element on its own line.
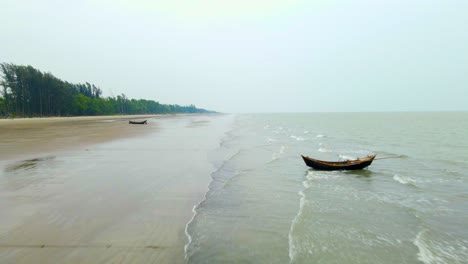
<point>28,92</point>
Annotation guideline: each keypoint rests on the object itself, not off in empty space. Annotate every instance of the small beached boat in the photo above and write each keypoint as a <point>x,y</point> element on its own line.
<point>358,164</point>
<point>138,122</point>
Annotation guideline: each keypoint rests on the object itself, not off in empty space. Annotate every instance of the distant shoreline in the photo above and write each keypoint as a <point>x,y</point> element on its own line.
<point>76,118</point>
<point>23,138</point>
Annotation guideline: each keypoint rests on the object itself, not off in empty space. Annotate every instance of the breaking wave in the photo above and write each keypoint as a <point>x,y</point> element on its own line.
<point>403,179</point>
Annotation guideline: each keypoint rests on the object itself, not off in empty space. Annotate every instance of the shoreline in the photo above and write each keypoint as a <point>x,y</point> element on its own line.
<point>129,200</point>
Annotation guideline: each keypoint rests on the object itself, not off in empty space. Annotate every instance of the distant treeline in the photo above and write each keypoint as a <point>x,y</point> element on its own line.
<point>28,92</point>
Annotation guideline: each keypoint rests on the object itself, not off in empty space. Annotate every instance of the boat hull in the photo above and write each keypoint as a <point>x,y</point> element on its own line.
<point>138,122</point>
<point>339,165</point>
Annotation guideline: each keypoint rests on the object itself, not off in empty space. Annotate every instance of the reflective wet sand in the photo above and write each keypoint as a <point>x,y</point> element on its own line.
<point>128,200</point>
<point>28,137</point>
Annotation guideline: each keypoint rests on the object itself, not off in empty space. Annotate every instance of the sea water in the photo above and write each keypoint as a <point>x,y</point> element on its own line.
<point>265,206</point>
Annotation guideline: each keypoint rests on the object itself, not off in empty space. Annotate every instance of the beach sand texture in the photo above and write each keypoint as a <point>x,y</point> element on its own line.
<point>28,137</point>
<point>66,197</point>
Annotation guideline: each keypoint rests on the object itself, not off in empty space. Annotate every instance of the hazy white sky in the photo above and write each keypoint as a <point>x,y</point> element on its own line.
<point>251,55</point>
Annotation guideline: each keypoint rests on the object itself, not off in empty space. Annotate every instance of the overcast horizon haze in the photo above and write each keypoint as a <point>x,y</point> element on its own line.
<point>251,56</point>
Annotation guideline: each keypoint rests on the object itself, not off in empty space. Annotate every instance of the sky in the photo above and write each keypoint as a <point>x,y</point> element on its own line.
<point>251,55</point>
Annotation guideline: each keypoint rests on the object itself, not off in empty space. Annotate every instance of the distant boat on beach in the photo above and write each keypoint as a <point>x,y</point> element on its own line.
<point>138,122</point>
<point>357,164</point>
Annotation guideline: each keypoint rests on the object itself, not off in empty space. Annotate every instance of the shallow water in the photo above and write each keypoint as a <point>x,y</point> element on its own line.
<point>213,189</point>
<point>266,206</point>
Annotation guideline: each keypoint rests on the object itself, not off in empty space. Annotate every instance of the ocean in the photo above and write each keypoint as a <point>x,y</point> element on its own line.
<point>265,206</point>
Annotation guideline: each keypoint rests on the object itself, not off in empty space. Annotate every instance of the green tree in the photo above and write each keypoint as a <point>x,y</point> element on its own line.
<point>26,91</point>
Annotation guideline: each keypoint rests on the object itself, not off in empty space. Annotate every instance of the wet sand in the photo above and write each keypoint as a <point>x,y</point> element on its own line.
<point>26,137</point>
<point>128,200</point>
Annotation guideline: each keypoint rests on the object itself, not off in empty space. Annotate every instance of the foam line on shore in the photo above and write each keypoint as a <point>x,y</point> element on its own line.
<point>292,251</point>
<point>228,137</point>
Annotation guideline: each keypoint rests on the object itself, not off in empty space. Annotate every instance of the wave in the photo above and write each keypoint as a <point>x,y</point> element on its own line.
<point>282,149</point>
<point>324,150</point>
<point>187,234</point>
<point>313,175</point>
<point>275,155</point>
<point>447,250</point>
<point>450,250</point>
<point>403,179</point>
<point>211,187</point>
<point>297,138</point>
<point>424,254</point>
<point>392,154</point>
<point>320,136</point>
<point>302,201</point>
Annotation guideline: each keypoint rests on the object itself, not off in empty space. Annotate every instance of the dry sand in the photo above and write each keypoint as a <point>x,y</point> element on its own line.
<point>74,200</point>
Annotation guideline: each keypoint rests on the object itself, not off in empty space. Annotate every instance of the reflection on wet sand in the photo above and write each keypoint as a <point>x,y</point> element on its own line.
<point>79,246</point>
<point>124,201</point>
<point>26,164</point>
<point>26,138</point>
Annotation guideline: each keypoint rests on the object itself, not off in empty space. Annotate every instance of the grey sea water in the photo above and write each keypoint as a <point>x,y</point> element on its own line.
<point>265,206</point>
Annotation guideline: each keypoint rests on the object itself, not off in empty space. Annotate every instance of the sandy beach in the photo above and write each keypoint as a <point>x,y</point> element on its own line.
<point>98,190</point>
<point>26,137</point>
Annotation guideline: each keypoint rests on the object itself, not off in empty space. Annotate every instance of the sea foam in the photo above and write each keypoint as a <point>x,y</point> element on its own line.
<point>275,155</point>
<point>440,251</point>
<point>403,179</point>
<point>324,150</point>
<point>292,247</point>
<point>424,254</point>
<point>298,138</point>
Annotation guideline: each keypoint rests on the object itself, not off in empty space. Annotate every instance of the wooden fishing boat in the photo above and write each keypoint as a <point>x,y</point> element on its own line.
<point>138,122</point>
<point>358,164</point>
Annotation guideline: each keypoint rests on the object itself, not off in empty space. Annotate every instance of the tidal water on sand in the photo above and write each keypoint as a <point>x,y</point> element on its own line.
<point>123,201</point>
<point>234,189</point>
<point>265,206</point>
